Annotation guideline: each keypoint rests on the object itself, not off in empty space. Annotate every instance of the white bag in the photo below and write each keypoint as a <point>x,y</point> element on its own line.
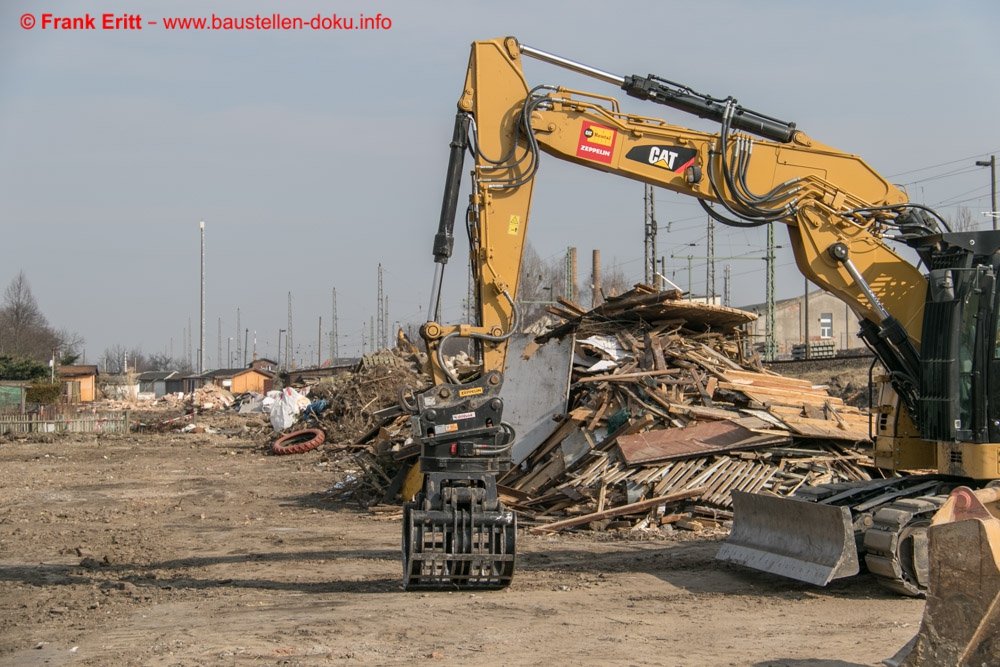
<point>286,409</point>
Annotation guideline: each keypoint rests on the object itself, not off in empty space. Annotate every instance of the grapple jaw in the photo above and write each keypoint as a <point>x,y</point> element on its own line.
<point>458,551</point>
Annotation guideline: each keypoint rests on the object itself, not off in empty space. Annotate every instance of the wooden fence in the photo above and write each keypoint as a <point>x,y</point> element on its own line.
<point>65,419</point>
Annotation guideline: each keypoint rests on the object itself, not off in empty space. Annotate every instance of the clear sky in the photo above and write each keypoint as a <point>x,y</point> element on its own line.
<point>314,156</point>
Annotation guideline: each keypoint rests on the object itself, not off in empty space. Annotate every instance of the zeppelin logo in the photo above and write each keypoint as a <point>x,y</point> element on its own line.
<point>596,142</point>
<point>474,391</point>
<point>671,158</point>
<point>463,415</point>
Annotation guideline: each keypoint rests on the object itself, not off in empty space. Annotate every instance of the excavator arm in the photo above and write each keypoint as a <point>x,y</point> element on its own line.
<point>838,209</point>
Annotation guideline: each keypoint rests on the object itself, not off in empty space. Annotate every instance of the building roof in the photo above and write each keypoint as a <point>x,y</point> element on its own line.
<point>233,372</point>
<point>76,371</point>
<point>782,303</point>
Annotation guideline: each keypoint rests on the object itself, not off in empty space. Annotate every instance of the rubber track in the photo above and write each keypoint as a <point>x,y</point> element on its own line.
<point>882,541</point>
<point>298,447</point>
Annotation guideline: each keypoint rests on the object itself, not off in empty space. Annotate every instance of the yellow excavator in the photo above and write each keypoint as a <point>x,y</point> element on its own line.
<point>934,330</point>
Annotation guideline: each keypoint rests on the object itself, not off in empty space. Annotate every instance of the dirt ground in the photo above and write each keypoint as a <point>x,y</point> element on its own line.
<point>197,549</point>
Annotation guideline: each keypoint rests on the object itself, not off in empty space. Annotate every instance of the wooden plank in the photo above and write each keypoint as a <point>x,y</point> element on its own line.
<point>704,413</point>
<point>776,396</point>
<point>676,471</point>
<point>599,413</point>
<point>710,386</point>
<point>571,306</point>
<point>819,395</point>
<point>698,382</point>
<point>632,508</point>
<point>721,358</point>
<point>699,440</point>
<point>822,428</point>
<point>733,375</point>
<point>656,351</point>
<point>541,476</point>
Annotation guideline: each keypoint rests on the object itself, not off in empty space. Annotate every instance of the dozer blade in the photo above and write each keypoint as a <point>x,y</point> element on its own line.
<point>445,550</point>
<point>798,539</point>
<point>961,623</point>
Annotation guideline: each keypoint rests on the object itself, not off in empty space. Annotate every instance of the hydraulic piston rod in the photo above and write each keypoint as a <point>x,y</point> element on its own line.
<point>678,96</point>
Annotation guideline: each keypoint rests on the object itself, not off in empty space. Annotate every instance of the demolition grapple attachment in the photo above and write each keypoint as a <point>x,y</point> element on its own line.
<point>456,532</point>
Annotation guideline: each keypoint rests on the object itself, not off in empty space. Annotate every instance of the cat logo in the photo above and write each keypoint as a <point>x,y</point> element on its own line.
<point>671,158</point>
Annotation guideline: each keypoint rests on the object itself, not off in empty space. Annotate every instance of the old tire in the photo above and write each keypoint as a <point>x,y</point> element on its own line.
<point>290,444</point>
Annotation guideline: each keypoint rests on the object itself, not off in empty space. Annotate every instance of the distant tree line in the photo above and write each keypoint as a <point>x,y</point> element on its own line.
<point>119,359</point>
<point>543,282</point>
<point>27,340</point>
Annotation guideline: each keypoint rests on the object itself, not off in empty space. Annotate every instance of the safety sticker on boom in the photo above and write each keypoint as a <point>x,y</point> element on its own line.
<point>671,158</point>
<point>597,142</point>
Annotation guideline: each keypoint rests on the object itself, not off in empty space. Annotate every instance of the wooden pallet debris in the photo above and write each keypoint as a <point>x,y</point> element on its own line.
<point>668,414</point>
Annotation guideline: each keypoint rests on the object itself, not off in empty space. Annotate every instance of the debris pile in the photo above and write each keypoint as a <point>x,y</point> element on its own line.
<point>209,397</point>
<point>667,407</point>
<point>667,412</point>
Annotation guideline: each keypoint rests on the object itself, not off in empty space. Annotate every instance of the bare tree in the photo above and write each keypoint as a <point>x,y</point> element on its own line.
<point>119,359</point>
<point>614,281</point>
<point>964,222</point>
<point>70,344</point>
<point>24,331</point>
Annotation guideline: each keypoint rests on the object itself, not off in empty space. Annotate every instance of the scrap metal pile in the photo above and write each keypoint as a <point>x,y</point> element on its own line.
<point>665,416</point>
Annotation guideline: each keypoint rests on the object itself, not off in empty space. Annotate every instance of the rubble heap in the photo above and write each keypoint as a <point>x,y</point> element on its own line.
<point>666,414</point>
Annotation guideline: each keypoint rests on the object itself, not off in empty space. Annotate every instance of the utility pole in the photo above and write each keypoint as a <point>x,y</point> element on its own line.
<point>595,279</point>
<point>570,288</point>
<point>201,349</point>
<point>690,279</point>
<point>239,354</point>
<point>319,344</point>
<point>280,331</point>
<point>726,285</point>
<point>992,164</point>
<point>710,264</point>
<point>288,336</point>
<point>380,334</point>
<point>770,345</point>
<point>218,351</point>
<point>385,319</point>
<point>649,220</point>
<point>334,350</point>
<point>805,317</point>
